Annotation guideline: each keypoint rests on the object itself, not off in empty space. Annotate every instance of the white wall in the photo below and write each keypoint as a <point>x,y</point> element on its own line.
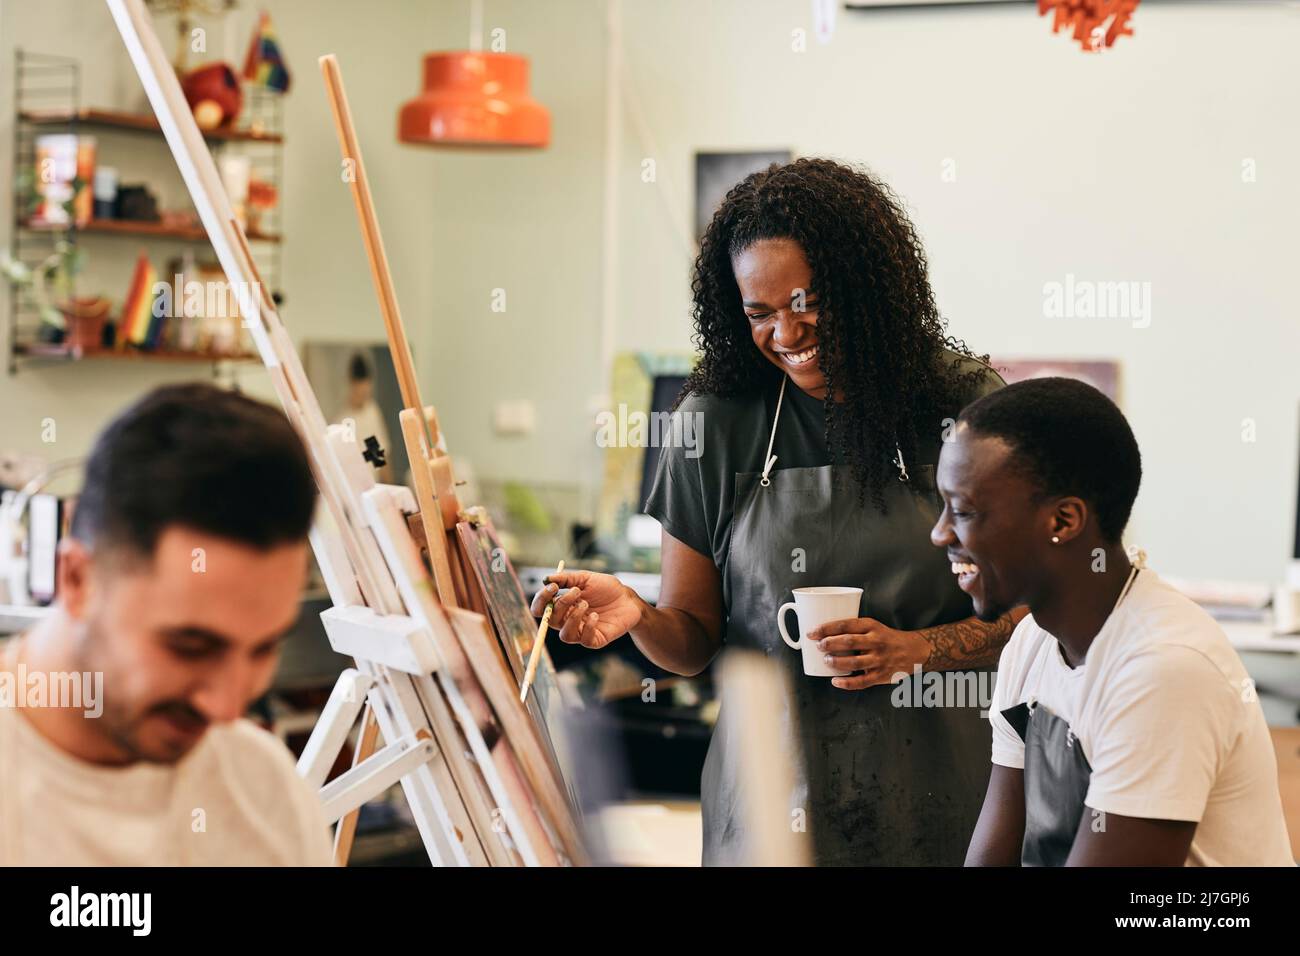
<point>1119,166</point>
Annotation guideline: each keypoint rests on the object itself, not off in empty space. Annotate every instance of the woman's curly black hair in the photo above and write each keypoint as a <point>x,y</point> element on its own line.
<point>880,335</point>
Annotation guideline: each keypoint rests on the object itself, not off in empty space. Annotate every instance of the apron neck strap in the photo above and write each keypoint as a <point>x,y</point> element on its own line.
<point>900,464</point>
<point>1128,585</point>
<point>770,459</point>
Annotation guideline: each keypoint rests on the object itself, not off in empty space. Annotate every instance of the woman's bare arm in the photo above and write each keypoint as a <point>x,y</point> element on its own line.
<point>971,643</point>
<point>683,633</point>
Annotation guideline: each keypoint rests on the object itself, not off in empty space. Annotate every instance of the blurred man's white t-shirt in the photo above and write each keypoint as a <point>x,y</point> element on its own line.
<point>1168,719</point>
<point>234,800</point>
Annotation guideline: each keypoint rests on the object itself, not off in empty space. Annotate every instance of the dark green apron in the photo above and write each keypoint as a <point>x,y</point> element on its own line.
<point>876,784</point>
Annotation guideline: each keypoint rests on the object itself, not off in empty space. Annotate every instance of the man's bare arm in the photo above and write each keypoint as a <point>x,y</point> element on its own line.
<point>1108,839</point>
<point>1000,833</point>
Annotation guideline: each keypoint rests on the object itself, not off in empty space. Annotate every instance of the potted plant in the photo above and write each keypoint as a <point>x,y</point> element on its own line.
<point>78,322</point>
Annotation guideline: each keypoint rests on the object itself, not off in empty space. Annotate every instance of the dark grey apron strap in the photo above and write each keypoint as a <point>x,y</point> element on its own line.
<point>1057,774</point>
<point>1018,718</point>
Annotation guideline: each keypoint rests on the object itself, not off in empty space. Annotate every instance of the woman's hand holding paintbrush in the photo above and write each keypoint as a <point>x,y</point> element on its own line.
<point>593,609</point>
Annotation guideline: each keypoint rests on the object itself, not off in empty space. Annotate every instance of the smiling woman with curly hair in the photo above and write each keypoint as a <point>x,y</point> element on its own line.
<point>810,275</point>
<point>881,346</point>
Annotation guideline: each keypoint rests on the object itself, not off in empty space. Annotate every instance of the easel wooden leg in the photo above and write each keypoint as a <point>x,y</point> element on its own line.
<point>347,828</point>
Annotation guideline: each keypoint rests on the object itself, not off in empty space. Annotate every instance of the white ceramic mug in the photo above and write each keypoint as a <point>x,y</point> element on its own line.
<point>814,607</point>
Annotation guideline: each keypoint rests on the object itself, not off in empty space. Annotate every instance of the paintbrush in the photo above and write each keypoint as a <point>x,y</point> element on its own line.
<point>539,643</point>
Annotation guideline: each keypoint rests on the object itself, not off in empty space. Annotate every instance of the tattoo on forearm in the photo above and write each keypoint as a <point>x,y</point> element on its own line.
<point>967,644</point>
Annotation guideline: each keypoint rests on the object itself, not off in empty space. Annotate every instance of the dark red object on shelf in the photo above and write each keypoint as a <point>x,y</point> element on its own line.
<point>215,82</point>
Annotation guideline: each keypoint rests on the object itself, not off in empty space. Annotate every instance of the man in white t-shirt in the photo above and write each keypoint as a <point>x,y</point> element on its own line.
<point>1125,729</point>
<point>122,737</point>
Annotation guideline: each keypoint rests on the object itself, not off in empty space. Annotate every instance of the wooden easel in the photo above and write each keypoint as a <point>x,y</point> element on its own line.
<point>430,466</point>
<point>435,495</point>
<point>429,673</point>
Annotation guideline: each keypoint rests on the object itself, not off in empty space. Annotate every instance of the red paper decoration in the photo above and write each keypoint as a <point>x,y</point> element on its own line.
<point>1089,20</point>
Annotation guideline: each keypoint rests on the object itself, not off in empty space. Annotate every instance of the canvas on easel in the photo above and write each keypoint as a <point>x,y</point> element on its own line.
<point>507,608</point>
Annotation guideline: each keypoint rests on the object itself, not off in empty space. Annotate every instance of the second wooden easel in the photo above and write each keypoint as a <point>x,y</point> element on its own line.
<point>439,513</point>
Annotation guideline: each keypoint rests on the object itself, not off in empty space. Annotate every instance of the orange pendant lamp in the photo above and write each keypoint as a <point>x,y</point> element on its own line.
<point>473,98</point>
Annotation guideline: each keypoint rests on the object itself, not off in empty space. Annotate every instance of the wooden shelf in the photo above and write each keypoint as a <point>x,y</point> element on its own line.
<point>63,353</point>
<point>131,227</point>
<point>48,99</point>
<point>135,122</point>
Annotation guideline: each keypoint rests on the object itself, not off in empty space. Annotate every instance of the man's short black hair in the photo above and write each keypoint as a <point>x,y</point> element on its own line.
<point>1070,439</point>
<point>196,456</point>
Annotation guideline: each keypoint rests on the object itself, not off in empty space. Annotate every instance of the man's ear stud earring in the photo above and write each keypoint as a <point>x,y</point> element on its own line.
<point>1055,540</point>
